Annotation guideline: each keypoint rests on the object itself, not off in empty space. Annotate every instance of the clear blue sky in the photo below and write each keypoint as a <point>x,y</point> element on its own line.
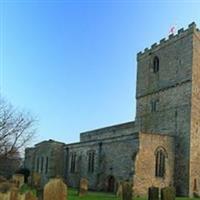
<point>73,63</point>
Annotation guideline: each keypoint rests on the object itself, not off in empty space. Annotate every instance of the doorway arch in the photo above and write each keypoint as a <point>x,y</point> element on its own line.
<point>111,183</point>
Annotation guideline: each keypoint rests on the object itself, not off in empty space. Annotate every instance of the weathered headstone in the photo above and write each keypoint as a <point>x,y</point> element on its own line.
<point>153,193</point>
<point>119,190</point>
<point>36,179</point>
<point>55,189</point>
<point>127,192</point>
<point>168,193</point>
<point>13,193</point>
<point>4,196</point>
<point>4,187</point>
<point>18,179</point>
<point>83,188</point>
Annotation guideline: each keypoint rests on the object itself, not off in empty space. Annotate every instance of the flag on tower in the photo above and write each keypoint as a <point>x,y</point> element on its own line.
<point>172,30</point>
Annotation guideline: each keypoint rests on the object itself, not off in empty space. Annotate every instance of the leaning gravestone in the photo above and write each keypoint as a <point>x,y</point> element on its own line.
<point>127,192</point>
<point>168,193</point>
<point>55,189</point>
<point>83,188</point>
<point>153,193</point>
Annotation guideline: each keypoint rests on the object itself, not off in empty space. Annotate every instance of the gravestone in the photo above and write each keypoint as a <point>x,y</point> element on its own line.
<point>83,188</point>
<point>153,193</point>
<point>13,193</point>
<point>127,192</point>
<point>36,179</point>
<point>5,187</point>
<point>18,179</point>
<point>55,189</point>
<point>168,193</point>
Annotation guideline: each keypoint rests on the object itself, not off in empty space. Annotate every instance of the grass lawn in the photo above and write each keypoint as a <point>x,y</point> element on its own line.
<point>72,195</point>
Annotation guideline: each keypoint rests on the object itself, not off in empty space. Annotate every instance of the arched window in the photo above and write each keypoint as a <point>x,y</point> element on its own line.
<point>160,157</point>
<point>91,158</point>
<point>73,163</point>
<point>154,105</point>
<point>155,64</point>
<point>47,165</point>
<point>38,164</point>
<point>42,163</point>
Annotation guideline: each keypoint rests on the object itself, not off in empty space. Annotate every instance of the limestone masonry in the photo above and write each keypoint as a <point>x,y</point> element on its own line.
<point>160,148</point>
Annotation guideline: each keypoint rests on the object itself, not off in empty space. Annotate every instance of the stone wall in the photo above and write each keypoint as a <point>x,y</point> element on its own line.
<point>144,176</point>
<point>108,132</point>
<point>113,157</point>
<point>195,119</point>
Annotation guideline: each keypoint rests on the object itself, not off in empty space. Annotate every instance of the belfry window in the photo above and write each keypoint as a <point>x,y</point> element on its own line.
<point>73,163</point>
<point>160,157</point>
<point>91,158</point>
<point>155,64</point>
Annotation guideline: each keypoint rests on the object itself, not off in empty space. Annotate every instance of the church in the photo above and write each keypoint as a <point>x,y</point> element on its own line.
<point>160,148</point>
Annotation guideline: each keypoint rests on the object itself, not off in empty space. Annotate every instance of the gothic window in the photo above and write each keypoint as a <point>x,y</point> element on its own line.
<point>42,162</point>
<point>160,156</point>
<point>155,64</point>
<point>37,164</point>
<point>73,163</point>
<point>91,156</point>
<point>47,165</point>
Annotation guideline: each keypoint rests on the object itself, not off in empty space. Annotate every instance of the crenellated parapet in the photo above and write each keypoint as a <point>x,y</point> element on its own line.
<point>170,39</point>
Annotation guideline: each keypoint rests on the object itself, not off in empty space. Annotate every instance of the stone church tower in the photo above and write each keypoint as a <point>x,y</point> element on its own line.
<point>168,100</point>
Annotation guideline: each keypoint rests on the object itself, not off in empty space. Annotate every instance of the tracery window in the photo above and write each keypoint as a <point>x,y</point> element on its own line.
<point>160,157</point>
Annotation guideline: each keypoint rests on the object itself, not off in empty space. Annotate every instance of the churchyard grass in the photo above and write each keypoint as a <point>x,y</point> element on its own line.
<point>73,195</point>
